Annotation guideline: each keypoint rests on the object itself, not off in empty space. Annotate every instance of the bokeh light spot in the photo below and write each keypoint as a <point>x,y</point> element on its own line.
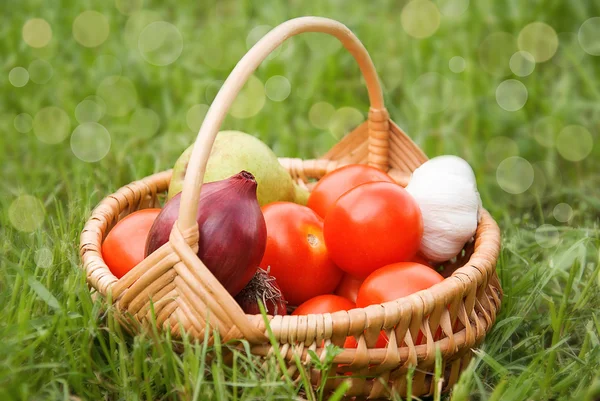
<point>26,213</point>
<point>90,28</point>
<point>40,71</point>
<point>251,99</point>
<point>547,236</point>
<point>23,123</point>
<point>574,143</point>
<point>278,88</point>
<point>18,77</point>
<point>589,36</point>
<point>195,116</point>
<point>90,142</point>
<point>256,34</point>
<point>37,32</point>
<point>540,40</point>
<point>119,95</point>
<point>420,18</point>
<point>144,122</point>
<point>457,64</point>
<point>495,52</point>
<point>136,23</point>
<point>43,258</point>
<point>511,95</point>
<point>344,120</point>
<point>453,8</point>
<point>514,175</point>
<point>160,43</point>
<point>320,114</point>
<point>500,148</point>
<point>51,125</point>
<point>88,111</point>
<point>128,7</point>
<point>431,92</point>
<point>563,212</point>
<point>522,63</point>
<point>545,131</point>
<point>321,45</point>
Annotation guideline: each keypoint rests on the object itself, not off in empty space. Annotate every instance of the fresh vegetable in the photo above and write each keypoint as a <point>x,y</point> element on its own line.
<point>124,246</point>
<point>396,281</point>
<point>373,225</point>
<point>333,303</point>
<point>296,254</point>
<point>382,341</point>
<point>447,195</point>
<point>262,287</point>
<point>348,287</point>
<point>327,303</point>
<point>450,165</point>
<point>232,229</point>
<point>339,181</point>
<point>234,151</point>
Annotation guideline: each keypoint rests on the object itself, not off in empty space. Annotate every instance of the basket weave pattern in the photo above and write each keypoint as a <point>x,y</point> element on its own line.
<point>184,296</point>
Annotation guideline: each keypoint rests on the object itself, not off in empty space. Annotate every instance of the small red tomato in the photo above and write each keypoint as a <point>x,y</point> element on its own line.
<point>125,245</point>
<point>336,183</point>
<point>327,303</point>
<point>396,281</point>
<point>382,341</point>
<point>348,287</point>
<point>373,225</point>
<point>296,254</point>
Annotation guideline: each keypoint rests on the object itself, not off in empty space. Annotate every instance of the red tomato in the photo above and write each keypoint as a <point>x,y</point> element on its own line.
<point>336,183</point>
<point>327,303</point>
<point>296,254</point>
<point>373,225</point>
<point>348,287</point>
<point>125,244</point>
<point>382,341</point>
<point>396,281</point>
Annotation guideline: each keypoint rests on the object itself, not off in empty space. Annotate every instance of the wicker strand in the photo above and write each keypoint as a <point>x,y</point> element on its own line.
<point>379,138</point>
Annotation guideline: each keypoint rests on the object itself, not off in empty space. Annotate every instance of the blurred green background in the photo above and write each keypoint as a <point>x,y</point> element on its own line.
<point>96,94</point>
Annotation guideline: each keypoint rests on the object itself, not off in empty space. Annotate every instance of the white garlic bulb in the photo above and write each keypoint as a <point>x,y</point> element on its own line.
<point>448,164</point>
<point>446,192</point>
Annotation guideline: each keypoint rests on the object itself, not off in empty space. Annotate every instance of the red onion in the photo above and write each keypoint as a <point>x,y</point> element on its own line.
<point>232,229</point>
<point>263,286</point>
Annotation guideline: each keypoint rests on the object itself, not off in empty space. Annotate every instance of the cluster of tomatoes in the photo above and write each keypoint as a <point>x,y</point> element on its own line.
<point>356,244</point>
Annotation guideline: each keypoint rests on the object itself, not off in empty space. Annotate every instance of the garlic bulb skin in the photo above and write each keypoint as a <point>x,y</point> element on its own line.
<point>448,164</point>
<point>449,203</point>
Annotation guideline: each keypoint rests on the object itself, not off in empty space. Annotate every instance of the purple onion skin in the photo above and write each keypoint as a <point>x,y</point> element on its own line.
<point>233,232</point>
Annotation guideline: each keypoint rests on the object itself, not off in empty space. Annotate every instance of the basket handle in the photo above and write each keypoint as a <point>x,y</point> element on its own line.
<point>378,117</point>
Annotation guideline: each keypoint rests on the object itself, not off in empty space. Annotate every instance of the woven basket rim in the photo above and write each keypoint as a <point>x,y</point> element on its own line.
<point>468,269</point>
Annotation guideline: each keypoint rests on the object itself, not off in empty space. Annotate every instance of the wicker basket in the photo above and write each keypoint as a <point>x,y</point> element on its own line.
<point>183,291</point>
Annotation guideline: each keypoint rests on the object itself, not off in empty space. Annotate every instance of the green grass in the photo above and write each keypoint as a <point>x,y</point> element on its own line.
<point>56,343</point>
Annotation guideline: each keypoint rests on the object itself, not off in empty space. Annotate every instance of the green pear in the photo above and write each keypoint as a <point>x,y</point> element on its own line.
<point>234,151</point>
